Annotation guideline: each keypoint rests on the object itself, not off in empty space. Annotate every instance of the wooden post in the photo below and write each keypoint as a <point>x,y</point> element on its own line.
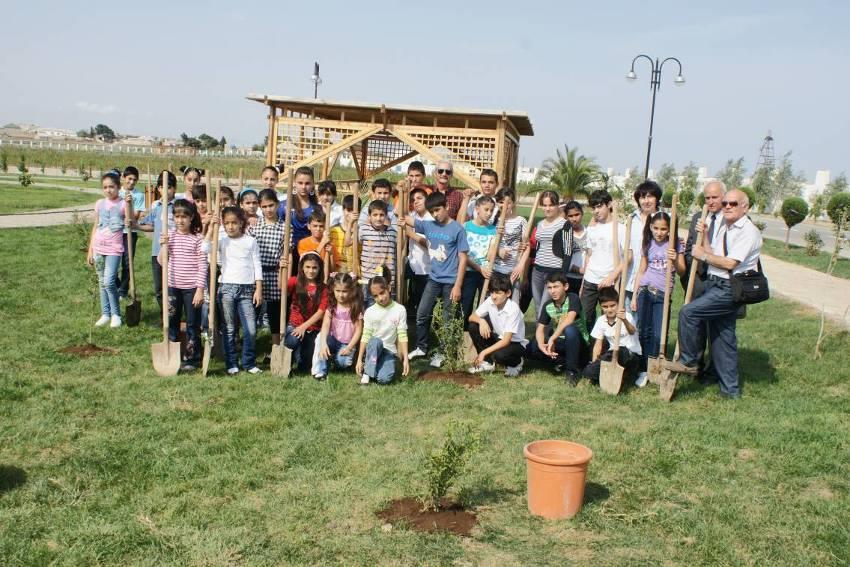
<point>270,149</point>
<point>241,180</point>
<point>491,255</point>
<point>527,234</point>
<point>355,256</point>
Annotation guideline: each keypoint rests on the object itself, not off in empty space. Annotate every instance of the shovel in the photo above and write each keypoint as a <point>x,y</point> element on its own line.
<point>610,372</point>
<point>653,363</point>
<point>133,313</point>
<point>166,355</point>
<point>667,379</point>
<point>281,357</point>
<point>211,330</point>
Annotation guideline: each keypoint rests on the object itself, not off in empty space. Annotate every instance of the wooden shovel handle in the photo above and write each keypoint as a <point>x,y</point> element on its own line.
<point>668,288</point>
<point>214,257</point>
<point>494,249</point>
<point>622,299</point>
<point>164,255</point>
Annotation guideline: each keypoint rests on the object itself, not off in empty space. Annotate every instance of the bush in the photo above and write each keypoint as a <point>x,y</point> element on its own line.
<point>443,466</point>
<point>686,200</point>
<point>814,242</point>
<point>760,224</point>
<point>24,177</point>
<point>794,211</point>
<point>449,336</point>
<point>667,198</point>
<point>838,209</point>
<point>4,161</point>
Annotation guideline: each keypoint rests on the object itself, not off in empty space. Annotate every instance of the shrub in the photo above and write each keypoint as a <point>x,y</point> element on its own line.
<point>667,198</point>
<point>24,177</point>
<point>686,199</point>
<point>838,208</point>
<point>444,465</point>
<point>751,195</point>
<point>794,211</point>
<point>760,224</point>
<point>449,336</point>
<point>4,161</point>
<point>814,242</point>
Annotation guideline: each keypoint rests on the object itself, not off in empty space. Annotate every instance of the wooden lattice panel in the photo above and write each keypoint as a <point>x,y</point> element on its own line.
<point>297,142</point>
<point>478,152</point>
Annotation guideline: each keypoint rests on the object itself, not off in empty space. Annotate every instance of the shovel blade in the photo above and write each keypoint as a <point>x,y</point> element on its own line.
<point>610,377</point>
<point>166,358</point>
<point>667,385</point>
<point>205,361</point>
<point>133,315</point>
<point>469,352</point>
<point>654,369</point>
<point>281,363</point>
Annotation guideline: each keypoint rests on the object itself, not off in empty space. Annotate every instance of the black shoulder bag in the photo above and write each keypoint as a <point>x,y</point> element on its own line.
<point>747,287</point>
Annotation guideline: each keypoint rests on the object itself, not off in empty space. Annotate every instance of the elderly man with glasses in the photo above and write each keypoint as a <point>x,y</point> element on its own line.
<point>454,197</point>
<point>734,249</point>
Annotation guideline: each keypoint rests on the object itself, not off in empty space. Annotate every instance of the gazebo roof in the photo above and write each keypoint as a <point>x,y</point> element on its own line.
<point>363,112</point>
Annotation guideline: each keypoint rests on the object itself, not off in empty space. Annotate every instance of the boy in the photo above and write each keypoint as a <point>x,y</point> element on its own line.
<point>381,190</point>
<point>384,336</point>
<point>130,194</point>
<point>488,180</point>
<point>418,261</point>
<point>318,241</point>
<point>339,235</point>
<point>561,333</point>
<point>599,270</point>
<point>570,242</point>
<point>152,222</point>
<point>628,355</point>
<point>447,249</point>
<point>327,198</point>
<point>480,235</point>
<point>497,330</point>
<point>377,247</point>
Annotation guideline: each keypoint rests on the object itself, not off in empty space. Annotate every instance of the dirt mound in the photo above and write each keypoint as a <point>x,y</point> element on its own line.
<point>460,378</point>
<point>87,350</point>
<point>450,518</point>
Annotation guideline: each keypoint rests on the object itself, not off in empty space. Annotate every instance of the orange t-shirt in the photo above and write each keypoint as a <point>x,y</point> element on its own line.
<point>310,244</point>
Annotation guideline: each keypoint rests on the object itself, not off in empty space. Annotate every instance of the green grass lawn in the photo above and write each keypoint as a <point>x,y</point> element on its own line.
<point>102,462</point>
<point>50,180</point>
<point>16,199</point>
<point>797,255</point>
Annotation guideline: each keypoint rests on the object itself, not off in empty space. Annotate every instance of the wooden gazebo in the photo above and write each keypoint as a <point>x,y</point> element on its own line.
<point>307,132</point>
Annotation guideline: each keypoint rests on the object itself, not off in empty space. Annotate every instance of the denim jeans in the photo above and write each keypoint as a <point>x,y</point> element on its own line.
<point>568,346</point>
<point>238,309</point>
<point>320,366</point>
<point>178,301</point>
<point>124,282</point>
<point>302,349</point>
<point>432,291</point>
<point>416,285</point>
<point>107,277</point>
<point>650,316</point>
<point>473,283</point>
<point>380,363</point>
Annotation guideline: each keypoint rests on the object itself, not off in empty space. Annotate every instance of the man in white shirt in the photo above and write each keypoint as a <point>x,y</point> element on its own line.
<point>734,249</point>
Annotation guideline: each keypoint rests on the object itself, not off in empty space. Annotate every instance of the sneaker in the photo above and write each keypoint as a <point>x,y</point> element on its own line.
<point>116,321</point>
<point>364,380</point>
<point>254,370</point>
<point>679,368</point>
<point>104,319</point>
<point>642,379</point>
<point>572,379</point>
<point>437,360</point>
<point>415,354</point>
<point>513,371</point>
<point>232,371</point>
<point>188,367</point>
<point>483,367</point>
<point>321,377</point>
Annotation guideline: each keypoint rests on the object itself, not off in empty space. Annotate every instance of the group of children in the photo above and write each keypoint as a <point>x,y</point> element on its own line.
<point>342,310</point>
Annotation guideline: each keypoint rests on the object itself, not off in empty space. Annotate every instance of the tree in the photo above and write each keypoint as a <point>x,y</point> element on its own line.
<point>666,177</point>
<point>837,185</point>
<point>838,210</point>
<point>786,182</point>
<point>689,178</point>
<point>732,173</point>
<point>570,172</point>
<point>105,132</point>
<point>762,187</point>
<point>223,143</point>
<point>82,133</point>
<point>818,206</point>
<point>794,211</point>
<point>751,196</point>
<point>189,142</point>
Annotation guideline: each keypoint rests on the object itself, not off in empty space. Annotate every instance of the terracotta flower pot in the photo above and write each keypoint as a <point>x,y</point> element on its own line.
<point>556,474</point>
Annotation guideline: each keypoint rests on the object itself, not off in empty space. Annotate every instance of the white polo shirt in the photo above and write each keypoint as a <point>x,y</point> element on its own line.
<point>508,319</point>
<point>743,243</point>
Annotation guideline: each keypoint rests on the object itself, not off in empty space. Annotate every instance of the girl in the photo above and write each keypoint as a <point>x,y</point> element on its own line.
<point>479,235</point>
<point>507,258</point>
<point>309,301</point>
<point>648,299</point>
<point>341,327</point>
<point>187,278</point>
<point>191,178</point>
<point>545,262</point>
<point>303,202</point>
<point>250,203</point>
<point>106,246</point>
<point>241,287</point>
<point>269,236</point>
<point>227,199</point>
<point>384,336</point>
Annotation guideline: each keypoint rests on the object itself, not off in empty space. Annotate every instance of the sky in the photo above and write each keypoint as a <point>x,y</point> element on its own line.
<point>161,68</point>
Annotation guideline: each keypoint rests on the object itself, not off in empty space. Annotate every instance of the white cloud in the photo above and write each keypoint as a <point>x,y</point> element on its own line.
<point>97,108</point>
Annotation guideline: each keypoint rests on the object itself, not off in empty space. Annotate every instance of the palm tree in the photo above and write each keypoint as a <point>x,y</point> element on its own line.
<point>570,172</point>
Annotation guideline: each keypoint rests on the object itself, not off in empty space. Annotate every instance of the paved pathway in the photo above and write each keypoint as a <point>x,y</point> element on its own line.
<point>50,217</point>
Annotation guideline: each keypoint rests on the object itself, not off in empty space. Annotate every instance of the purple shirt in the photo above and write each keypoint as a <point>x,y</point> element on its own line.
<point>656,265</point>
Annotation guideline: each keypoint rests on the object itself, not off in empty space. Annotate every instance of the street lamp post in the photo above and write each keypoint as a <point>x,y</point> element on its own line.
<point>655,82</point>
<point>317,80</point>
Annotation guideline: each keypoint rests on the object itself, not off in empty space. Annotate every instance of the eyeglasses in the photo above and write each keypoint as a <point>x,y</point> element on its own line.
<point>444,171</point>
<point>729,203</point>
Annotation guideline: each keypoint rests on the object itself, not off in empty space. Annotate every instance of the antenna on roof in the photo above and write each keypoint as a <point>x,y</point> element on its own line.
<point>317,80</point>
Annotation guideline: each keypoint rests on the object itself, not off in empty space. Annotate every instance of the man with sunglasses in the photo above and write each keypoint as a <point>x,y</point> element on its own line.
<point>442,177</point>
<point>734,249</point>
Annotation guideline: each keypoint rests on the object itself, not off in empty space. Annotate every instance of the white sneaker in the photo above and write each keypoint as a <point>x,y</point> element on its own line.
<point>513,371</point>
<point>483,367</point>
<point>232,371</point>
<point>116,321</point>
<point>104,319</point>
<point>437,360</point>
<point>642,379</point>
<point>254,370</point>
<point>415,354</point>
<point>364,380</point>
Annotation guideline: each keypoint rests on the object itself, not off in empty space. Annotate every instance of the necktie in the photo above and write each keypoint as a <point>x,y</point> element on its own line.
<point>711,227</point>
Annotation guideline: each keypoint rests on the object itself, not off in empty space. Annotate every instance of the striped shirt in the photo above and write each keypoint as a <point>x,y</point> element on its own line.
<point>187,264</point>
<point>269,237</point>
<point>545,233</point>
<point>378,249</point>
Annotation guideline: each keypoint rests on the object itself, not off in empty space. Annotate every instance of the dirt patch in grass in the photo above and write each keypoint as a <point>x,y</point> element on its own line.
<point>460,378</point>
<point>450,518</point>
<point>87,350</point>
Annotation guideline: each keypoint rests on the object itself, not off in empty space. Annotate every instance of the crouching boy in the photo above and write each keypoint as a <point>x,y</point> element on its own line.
<point>628,356</point>
<point>384,340</point>
<point>497,330</point>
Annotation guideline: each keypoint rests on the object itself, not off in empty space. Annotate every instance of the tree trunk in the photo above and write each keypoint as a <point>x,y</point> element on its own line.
<point>787,236</point>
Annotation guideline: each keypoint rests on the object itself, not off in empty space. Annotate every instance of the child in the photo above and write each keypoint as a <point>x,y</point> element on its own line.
<point>498,331</point>
<point>488,180</point>
<point>377,247</point>
<point>308,297</point>
<point>480,236</point>
<point>241,287</point>
<point>187,278</point>
<point>191,177</point>
<point>604,329</point>
<point>545,262</point>
<point>418,261</point>
<point>340,234</point>
<point>269,177</point>
<point>380,192</point>
<point>507,258</point>
<point>318,241</point>
<point>137,198</point>
<point>342,326</point>
<point>250,203</point>
<point>269,236</point>
<point>303,203</point>
<point>327,199</point>
<point>648,298</point>
<point>199,198</point>
<point>227,199</point>
<point>447,249</point>
<point>569,244</point>
<point>153,223</point>
<point>106,246</point>
<point>384,336</point>
<point>599,270</point>
<point>561,334</point>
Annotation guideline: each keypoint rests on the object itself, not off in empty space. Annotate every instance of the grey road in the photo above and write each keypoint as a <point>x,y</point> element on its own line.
<point>776,230</point>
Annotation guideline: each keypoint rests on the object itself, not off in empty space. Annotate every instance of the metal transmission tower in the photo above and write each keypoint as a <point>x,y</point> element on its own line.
<point>767,156</point>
